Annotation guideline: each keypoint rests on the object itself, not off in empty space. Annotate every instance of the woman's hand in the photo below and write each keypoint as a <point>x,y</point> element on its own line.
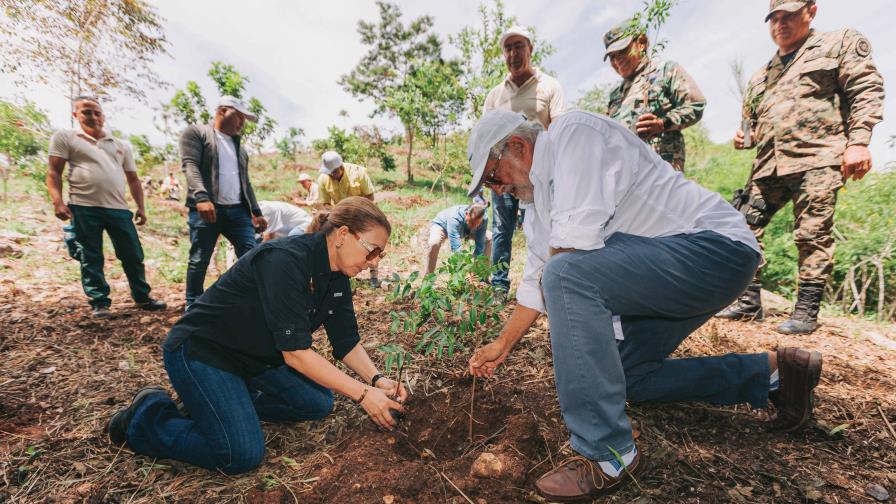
<point>392,389</point>
<point>377,405</point>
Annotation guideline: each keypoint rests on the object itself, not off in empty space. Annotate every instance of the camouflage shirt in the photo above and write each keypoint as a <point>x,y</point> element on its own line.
<point>804,114</point>
<point>670,94</point>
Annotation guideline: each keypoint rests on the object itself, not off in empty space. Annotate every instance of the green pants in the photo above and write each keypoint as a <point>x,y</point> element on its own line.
<point>88,224</point>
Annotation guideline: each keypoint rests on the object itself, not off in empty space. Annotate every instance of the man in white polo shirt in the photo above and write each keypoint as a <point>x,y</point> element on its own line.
<point>99,167</point>
<point>628,258</point>
<point>540,98</point>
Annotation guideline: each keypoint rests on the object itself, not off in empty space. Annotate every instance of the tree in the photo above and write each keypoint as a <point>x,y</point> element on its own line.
<point>288,145</point>
<point>482,58</point>
<point>188,106</point>
<point>429,100</point>
<point>24,130</point>
<point>393,51</point>
<point>83,46</point>
<point>595,99</point>
<point>149,155</point>
<point>649,21</point>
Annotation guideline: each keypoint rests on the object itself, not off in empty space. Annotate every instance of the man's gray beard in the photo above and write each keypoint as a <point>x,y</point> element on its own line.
<point>524,193</point>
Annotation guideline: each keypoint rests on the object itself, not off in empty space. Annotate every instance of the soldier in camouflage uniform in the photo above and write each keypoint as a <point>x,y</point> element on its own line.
<point>656,100</point>
<point>811,111</point>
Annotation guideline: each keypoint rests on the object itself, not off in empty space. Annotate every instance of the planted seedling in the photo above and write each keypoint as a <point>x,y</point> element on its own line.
<point>395,355</point>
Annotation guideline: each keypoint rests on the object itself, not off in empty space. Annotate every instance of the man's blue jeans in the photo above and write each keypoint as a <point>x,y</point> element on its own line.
<point>223,431</point>
<point>234,222</point>
<point>616,314</point>
<point>504,213</point>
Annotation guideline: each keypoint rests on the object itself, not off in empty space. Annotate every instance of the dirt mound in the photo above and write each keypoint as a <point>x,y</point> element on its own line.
<point>432,451</point>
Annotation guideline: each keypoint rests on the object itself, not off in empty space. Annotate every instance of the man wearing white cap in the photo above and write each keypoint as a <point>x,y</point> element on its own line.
<point>627,257</point>
<point>339,180</point>
<point>219,195</point>
<point>311,187</point>
<point>539,97</point>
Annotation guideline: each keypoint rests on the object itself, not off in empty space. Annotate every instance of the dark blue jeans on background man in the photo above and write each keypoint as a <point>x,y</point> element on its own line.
<point>617,313</point>
<point>222,431</point>
<point>504,215</point>
<point>234,222</point>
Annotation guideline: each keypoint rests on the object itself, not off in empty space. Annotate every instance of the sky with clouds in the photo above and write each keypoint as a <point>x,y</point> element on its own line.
<point>295,52</point>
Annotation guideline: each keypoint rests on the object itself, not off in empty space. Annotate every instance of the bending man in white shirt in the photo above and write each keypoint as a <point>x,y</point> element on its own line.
<point>628,258</point>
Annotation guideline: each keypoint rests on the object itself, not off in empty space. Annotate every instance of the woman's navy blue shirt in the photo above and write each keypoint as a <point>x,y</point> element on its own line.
<point>269,302</point>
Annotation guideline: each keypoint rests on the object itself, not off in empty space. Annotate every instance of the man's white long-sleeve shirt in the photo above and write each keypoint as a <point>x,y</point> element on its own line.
<point>592,178</point>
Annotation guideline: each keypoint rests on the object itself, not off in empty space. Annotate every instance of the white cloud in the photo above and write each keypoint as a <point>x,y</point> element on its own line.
<point>294,52</point>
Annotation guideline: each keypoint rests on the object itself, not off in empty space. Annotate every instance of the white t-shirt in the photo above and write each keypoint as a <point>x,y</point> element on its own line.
<point>228,171</point>
<point>593,177</point>
<point>283,218</point>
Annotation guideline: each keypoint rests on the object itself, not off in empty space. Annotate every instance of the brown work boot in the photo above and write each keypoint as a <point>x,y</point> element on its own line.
<point>798,373</point>
<point>747,307</point>
<point>581,479</point>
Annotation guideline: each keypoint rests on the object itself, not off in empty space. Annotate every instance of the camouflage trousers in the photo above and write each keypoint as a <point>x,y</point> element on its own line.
<point>814,197</point>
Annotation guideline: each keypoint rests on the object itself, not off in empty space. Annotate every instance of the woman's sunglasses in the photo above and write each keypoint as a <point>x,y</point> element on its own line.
<point>373,251</point>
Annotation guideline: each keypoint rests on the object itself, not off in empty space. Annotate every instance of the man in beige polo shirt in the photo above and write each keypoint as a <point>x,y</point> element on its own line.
<point>99,168</point>
<point>540,98</point>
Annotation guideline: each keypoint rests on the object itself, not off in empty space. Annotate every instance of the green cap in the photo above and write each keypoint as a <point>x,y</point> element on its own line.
<point>616,39</point>
<point>786,5</point>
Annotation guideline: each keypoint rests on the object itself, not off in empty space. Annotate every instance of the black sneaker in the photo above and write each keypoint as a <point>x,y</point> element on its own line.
<point>118,424</point>
<point>152,305</point>
<point>101,312</point>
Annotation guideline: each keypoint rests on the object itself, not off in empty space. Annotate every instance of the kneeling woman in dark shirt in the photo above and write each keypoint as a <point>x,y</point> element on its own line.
<point>242,352</point>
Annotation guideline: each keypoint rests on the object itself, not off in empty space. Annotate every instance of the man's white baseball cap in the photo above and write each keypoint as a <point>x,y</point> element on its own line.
<point>304,176</point>
<point>329,162</point>
<point>239,105</point>
<point>491,129</point>
<point>522,31</point>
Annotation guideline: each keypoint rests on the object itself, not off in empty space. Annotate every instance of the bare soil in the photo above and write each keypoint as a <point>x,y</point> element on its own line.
<point>62,375</point>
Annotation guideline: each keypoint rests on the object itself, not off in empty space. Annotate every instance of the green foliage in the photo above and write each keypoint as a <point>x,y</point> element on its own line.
<point>188,105</point>
<point>349,145</point>
<point>429,99</point>
<point>482,58</point>
<point>288,145</point>
<point>24,131</point>
<point>595,99</point>
<point>82,46</point>
<point>394,52</point>
<point>865,229</point>
<point>147,155</point>
<point>394,356</point>
<point>450,306</point>
<point>649,21</point>
<point>449,159</point>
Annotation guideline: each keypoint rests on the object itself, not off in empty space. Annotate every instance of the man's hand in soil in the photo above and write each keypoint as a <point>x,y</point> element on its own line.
<point>206,211</point>
<point>62,211</point>
<point>487,359</point>
<point>392,389</point>
<point>377,405</point>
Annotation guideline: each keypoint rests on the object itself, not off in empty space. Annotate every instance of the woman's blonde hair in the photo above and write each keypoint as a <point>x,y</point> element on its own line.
<point>356,213</point>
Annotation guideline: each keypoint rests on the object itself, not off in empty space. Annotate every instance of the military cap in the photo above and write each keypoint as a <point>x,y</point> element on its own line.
<point>786,5</point>
<point>616,39</point>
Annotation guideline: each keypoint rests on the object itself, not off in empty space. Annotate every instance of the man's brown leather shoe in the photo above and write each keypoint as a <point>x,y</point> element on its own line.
<point>799,372</point>
<point>581,479</point>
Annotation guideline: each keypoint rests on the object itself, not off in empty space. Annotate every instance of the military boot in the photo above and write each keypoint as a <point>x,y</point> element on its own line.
<point>804,318</point>
<point>747,307</point>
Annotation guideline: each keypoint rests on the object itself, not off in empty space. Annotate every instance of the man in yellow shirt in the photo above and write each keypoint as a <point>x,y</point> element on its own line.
<point>340,180</point>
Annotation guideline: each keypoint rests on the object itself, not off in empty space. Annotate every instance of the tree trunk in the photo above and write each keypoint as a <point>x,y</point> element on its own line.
<point>410,136</point>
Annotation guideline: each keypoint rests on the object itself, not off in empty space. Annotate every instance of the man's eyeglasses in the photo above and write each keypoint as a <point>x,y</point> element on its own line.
<point>95,113</point>
<point>373,251</point>
<point>489,178</point>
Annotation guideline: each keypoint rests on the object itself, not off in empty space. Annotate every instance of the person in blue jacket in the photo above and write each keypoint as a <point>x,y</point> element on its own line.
<point>456,224</point>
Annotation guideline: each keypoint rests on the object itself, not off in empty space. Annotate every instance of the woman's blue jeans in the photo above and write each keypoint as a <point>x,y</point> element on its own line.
<point>616,314</point>
<point>222,431</point>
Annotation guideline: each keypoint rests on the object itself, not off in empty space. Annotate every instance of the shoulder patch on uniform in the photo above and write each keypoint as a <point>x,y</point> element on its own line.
<point>863,48</point>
